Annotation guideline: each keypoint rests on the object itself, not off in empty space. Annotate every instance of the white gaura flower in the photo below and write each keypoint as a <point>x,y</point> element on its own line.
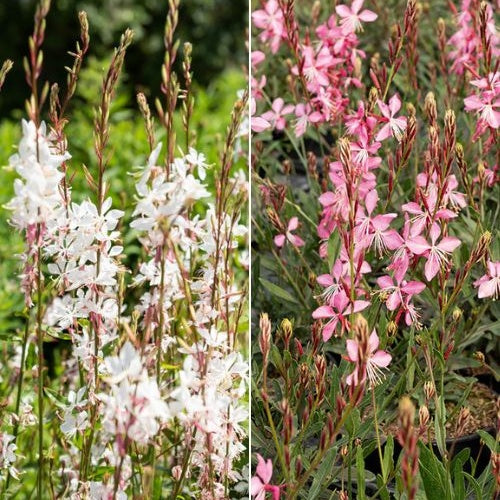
<point>8,455</point>
<point>197,160</point>
<point>37,195</point>
<point>127,364</point>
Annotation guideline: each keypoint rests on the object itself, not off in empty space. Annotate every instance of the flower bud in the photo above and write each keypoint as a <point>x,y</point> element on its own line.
<point>457,314</point>
<point>423,417</point>
<point>430,107</point>
<point>479,356</point>
<point>286,329</point>
<point>392,328</point>
<point>429,390</point>
<point>265,337</point>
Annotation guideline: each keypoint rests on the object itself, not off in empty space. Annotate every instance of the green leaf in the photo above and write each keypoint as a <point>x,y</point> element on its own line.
<point>458,474</point>
<point>360,471</point>
<point>439,426</point>
<point>388,456</point>
<point>433,474</point>
<point>277,291</point>
<point>489,440</point>
<point>321,474</point>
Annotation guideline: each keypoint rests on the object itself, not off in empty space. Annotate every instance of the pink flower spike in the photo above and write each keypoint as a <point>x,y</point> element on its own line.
<point>489,284</point>
<point>351,17</point>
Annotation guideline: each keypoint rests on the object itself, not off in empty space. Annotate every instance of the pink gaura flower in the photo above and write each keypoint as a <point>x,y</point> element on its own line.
<point>337,313</point>
<point>276,116</point>
<point>489,284</point>
<point>352,17</point>
<point>270,19</point>
<point>398,290</point>
<point>359,122</point>
<point>374,231</point>
<point>332,282</point>
<point>436,253</point>
<point>305,115</point>
<point>486,104</point>
<point>424,216</point>
<point>393,126</point>
<point>375,360</point>
<point>259,483</point>
<point>362,150</point>
<point>296,241</point>
<point>259,123</point>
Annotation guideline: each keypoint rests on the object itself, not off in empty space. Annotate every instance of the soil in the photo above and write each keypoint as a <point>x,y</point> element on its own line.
<point>482,404</point>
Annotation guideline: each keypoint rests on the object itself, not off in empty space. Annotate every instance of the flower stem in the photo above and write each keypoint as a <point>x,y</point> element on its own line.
<point>40,367</point>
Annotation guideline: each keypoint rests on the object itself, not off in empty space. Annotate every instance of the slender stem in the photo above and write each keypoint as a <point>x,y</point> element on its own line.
<point>40,368</point>
<point>19,391</point>
<point>375,421</point>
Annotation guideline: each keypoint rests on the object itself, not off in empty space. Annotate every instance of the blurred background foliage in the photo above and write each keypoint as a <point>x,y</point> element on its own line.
<point>216,28</point>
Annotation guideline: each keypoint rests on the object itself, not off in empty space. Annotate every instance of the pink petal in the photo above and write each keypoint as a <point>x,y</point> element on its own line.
<point>279,240</point>
<point>259,124</point>
<point>295,240</point>
<point>473,102</point>
<point>431,267</point>
<point>394,104</point>
<point>256,486</point>
<point>352,350</point>
<point>368,16</point>
<point>381,359</point>
<point>385,282</point>
<point>393,301</point>
<point>449,243</point>
<point>413,287</point>
<point>327,199</point>
<point>360,305</point>
<point>412,208</point>
<point>392,239</point>
<point>434,232</point>
<point>384,133</point>
<point>356,6</point>
<point>373,341</point>
<point>371,200</point>
<point>325,279</point>
<point>329,330</point>
<point>293,224</point>
<point>486,289</point>
<point>323,312</point>
<point>418,245</point>
<point>264,469</point>
<point>343,10</point>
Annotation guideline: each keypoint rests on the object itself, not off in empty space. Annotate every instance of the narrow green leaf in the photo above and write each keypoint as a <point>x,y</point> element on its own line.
<point>277,291</point>
<point>321,474</point>
<point>360,471</point>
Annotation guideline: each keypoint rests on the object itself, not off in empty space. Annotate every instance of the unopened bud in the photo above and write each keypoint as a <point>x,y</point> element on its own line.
<point>423,417</point>
<point>430,107</point>
<point>286,329</point>
<point>479,356</point>
<point>344,451</point>
<point>429,390</point>
<point>392,328</point>
<point>463,420</point>
<point>406,412</point>
<point>298,466</point>
<point>457,314</point>
<point>265,336</point>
